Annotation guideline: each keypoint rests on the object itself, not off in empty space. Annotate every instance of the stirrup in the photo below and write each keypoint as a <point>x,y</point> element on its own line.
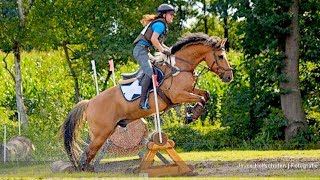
<point>145,105</point>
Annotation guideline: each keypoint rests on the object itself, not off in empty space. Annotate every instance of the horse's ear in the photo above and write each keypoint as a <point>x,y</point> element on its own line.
<point>218,44</point>
<point>221,43</point>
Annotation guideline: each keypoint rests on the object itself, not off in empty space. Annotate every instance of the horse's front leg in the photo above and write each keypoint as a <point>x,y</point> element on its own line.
<point>202,93</point>
<point>194,112</point>
<point>187,97</point>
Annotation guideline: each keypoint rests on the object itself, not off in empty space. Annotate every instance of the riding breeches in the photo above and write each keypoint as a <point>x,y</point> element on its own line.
<point>140,54</point>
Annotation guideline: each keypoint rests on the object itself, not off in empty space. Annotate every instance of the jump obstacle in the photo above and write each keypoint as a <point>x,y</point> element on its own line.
<point>159,141</point>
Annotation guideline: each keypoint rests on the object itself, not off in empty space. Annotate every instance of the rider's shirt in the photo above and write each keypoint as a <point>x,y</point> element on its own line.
<point>157,27</point>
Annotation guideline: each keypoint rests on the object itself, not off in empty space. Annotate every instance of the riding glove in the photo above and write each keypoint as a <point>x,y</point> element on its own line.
<point>166,52</point>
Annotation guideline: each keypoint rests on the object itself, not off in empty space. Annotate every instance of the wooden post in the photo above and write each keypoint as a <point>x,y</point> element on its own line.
<point>155,85</point>
<point>5,144</point>
<point>19,123</point>
<point>95,75</point>
<point>111,65</point>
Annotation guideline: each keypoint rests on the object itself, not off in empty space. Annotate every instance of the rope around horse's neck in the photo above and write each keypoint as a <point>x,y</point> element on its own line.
<point>197,77</point>
<point>191,71</point>
<point>191,63</point>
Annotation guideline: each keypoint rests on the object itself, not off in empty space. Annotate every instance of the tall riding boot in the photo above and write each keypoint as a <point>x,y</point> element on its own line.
<point>145,83</point>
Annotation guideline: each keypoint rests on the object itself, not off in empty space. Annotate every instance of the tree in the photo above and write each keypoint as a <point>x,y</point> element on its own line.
<point>291,101</point>
<point>223,9</point>
<point>62,24</point>
<point>271,33</point>
<point>13,36</point>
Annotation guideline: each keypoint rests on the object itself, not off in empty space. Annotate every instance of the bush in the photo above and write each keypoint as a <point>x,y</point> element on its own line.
<point>272,129</point>
<point>309,138</point>
<point>199,135</point>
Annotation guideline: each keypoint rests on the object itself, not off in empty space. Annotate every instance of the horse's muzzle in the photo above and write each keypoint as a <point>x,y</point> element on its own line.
<point>227,76</point>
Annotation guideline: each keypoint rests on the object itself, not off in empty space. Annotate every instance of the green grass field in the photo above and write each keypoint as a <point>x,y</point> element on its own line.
<point>207,164</point>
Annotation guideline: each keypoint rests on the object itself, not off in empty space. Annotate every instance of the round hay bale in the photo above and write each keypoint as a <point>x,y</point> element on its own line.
<point>18,148</point>
<point>61,167</point>
<point>128,140</point>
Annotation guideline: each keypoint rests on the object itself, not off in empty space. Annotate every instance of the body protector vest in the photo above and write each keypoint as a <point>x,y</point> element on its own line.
<point>146,33</point>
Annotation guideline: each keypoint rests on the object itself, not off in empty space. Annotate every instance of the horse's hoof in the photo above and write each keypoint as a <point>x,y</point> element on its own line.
<point>203,101</point>
<point>207,96</point>
<point>88,168</point>
<point>197,110</point>
<point>122,123</point>
<point>189,109</point>
<point>188,120</point>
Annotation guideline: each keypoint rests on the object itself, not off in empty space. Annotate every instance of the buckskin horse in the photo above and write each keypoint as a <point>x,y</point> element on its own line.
<point>104,111</point>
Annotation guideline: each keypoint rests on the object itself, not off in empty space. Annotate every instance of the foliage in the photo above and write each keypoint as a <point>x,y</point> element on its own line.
<point>47,91</point>
<point>197,136</point>
<point>5,115</point>
<point>272,129</point>
<point>309,62</point>
<point>9,25</point>
<point>243,114</point>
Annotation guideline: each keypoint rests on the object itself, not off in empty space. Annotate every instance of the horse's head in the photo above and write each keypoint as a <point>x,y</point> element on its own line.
<point>218,62</point>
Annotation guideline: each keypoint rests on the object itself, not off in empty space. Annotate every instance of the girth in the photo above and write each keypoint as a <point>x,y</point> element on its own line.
<point>164,97</point>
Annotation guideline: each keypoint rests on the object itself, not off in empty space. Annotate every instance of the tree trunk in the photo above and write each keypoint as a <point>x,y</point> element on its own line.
<point>291,102</point>
<point>226,31</point>
<point>73,72</point>
<point>21,12</point>
<point>205,19</point>
<point>226,26</point>
<point>18,87</point>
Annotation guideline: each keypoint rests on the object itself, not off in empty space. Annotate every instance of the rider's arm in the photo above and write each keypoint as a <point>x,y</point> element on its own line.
<point>158,28</point>
<point>164,46</point>
<point>155,42</point>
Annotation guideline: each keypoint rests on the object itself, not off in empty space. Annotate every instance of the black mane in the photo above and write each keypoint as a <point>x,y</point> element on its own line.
<point>194,38</point>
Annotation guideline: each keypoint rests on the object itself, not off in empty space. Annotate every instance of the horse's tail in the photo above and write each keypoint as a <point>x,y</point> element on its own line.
<point>69,130</point>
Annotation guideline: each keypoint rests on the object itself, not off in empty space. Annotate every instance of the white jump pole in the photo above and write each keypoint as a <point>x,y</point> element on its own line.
<point>155,84</point>
<point>111,64</point>
<point>155,121</point>
<point>5,144</point>
<point>95,75</point>
<point>19,123</point>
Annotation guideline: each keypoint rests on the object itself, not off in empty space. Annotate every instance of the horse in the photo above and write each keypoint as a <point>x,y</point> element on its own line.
<point>104,111</point>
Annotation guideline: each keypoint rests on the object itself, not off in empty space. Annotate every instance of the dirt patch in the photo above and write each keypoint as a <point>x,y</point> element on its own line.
<point>257,167</point>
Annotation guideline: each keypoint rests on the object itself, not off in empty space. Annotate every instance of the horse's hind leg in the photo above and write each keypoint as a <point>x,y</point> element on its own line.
<point>83,154</point>
<point>92,149</point>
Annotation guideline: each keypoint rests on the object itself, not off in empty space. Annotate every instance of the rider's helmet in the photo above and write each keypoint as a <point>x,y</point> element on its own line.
<point>165,8</point>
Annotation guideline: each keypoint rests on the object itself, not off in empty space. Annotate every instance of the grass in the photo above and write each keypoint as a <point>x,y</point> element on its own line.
<point>42,169</point>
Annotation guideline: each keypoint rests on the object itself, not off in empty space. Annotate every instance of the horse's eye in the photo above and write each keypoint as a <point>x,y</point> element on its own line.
<point>220,56</point>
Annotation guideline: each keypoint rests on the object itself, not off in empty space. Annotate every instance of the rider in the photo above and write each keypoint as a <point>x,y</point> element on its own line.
<point>152,36</point>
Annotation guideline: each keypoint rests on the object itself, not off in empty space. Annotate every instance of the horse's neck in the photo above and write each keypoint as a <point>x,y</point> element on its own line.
<point>192,54</point>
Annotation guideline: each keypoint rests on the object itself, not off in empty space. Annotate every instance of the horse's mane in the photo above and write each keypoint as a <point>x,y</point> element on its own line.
<point>194,38</point>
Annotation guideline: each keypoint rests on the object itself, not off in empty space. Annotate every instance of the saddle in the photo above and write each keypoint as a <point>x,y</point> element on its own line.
<point>131,77</point>
<point>130,83</point>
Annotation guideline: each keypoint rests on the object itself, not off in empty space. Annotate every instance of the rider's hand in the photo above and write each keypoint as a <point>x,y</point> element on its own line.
<point>166,52</point>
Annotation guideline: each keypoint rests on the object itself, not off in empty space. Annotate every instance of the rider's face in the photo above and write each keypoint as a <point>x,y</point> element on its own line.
<point>169,17</point>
